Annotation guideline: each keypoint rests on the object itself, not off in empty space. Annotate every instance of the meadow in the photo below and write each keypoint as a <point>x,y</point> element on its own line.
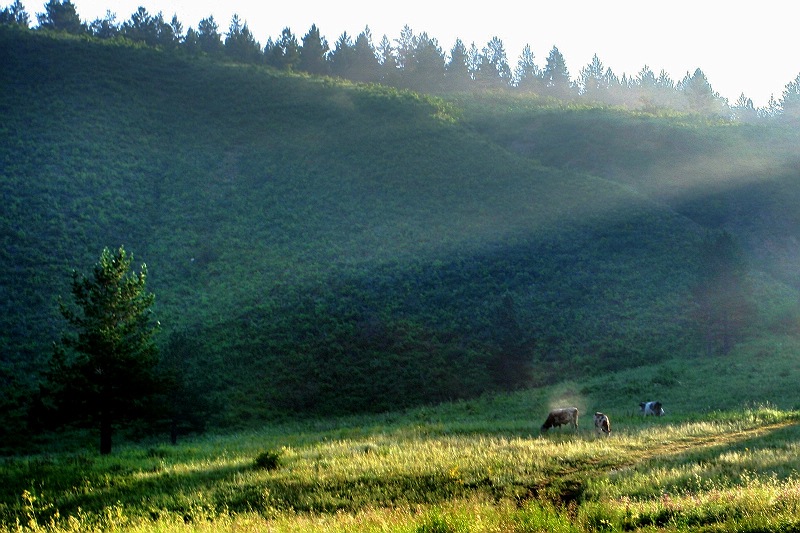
<point>469,465</point>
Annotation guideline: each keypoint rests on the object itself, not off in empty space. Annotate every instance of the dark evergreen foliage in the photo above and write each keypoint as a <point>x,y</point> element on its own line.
<point>61,15</point>
<point>700,96</point>
<point>342,57</point>
<point>15,14</point>
<point>594,80</point>
<point>209,39</point>
<point>790,101</point>
<point>456,74</point>
<point>105,28</point>
<point>556,75</point>
<point>104,369</point>
<point>151,30</point>
<point>284,53</point>
<point>389,71</point>
<point>427,63</point>
<point>497,61</point>
<point>240,45</point>
<point>314,53</point>
<point>527,76</point>
<point>364,66</point>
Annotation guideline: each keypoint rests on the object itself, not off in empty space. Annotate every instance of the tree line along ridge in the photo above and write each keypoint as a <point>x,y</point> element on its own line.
<point>414,61</point>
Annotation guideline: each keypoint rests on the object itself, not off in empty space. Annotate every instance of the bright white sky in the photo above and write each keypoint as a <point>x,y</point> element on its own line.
<point>741,47</point>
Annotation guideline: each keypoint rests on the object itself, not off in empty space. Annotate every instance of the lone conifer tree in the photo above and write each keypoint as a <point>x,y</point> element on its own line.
<point>104,372</point>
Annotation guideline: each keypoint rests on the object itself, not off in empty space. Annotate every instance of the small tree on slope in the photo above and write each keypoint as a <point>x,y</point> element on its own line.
<point>104,372</point>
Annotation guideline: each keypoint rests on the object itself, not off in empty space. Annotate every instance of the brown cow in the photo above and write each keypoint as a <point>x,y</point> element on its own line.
<point>561,417</point>
<point>602,424</point>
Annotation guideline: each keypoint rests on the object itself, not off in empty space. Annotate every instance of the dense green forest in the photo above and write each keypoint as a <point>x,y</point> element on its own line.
<point>319,246</point>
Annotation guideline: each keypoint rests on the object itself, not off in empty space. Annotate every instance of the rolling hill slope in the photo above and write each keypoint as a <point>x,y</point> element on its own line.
<point>322,247</point>
<point>741,177</point>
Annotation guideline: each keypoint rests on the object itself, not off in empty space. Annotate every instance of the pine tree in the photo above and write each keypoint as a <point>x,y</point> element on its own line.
<point>556,75</point>
<point>141,27</point>
<point>15,14</point>
<point>699,95</point>
<point>103,372</point>
<point>240,45</point>
<point>208,36</point>
<point>771,110</point>
<point>790,100</point>
<point>389,72</point>
<point>429,64</point>
<point>744,109</point>
<point>365,66</point>
<point>646,79</point>
<point>342,56</point>
<point>404,51</point>
<point>479,69</point>
<point>592,79</point>
<point>497,62</point>
<point>61,16</point>
<point>191,42</point>
<point>456,70</point>
<point>284,53</point>
<point>314,52</point>
<point>177,29</point>
<point>105,28</point>
<point>527,76</point>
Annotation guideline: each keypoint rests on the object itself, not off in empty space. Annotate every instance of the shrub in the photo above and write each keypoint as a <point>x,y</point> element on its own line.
<point>268,460</point>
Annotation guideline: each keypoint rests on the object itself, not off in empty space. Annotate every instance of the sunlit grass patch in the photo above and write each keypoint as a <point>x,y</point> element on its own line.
<point>753,503</point>
<point>705,454</point>
<point>424,471</point>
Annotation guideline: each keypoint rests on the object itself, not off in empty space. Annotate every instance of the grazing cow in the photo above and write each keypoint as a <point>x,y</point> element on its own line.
<point>561,417</point>
<point>602,424</point>
<point>651,408</point>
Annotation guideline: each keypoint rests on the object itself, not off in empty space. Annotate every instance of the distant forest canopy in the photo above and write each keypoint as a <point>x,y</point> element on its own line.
<point>415,61</point>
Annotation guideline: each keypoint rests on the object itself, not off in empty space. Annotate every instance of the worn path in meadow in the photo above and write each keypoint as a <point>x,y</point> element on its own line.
<point>567,484</point>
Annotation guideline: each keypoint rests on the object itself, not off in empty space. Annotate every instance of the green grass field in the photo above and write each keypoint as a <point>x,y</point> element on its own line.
<point>479,465</point>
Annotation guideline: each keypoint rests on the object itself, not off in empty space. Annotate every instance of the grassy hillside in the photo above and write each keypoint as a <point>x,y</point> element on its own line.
<point>326,248</point>
<point>737,176</point>
<point>724,458</point>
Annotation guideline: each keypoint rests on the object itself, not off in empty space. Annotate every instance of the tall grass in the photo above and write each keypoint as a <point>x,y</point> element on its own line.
<point>410,475</point>
<point>477,465</point>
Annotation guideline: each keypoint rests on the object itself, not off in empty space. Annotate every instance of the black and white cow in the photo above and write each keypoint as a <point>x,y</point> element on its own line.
<point>561,417</point>
<point>602,424</point>
<point>651,408</point>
